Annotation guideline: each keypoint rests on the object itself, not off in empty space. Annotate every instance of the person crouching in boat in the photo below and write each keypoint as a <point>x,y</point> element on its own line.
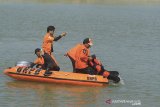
<point>44,61</point>
<point>49,39</point>
<point>82,56</point>
<point>99,68</point>
<point>82,62</point>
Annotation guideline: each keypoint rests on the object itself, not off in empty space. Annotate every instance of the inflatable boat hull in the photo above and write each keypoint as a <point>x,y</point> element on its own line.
<point>23,73</point>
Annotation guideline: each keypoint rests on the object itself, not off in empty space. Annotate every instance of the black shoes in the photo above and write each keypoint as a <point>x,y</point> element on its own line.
<point>47,73</point>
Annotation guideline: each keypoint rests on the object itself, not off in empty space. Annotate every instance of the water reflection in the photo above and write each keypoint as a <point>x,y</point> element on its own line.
<point>57,94</point>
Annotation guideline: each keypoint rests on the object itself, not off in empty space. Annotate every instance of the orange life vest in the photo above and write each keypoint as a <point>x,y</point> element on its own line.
<point>97,65</point>
<point>81,57</point>
<point>47,43</point>
<point>73,50</point>
<point>39,60</point>
<point>106,74</point>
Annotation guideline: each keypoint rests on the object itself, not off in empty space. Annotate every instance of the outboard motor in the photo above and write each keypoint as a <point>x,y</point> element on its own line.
<point>23,64</point>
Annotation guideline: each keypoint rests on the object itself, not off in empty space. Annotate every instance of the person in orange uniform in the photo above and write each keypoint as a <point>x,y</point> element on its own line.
<point>82,57</point>
<point>100,70</point>
<point>44,61</point>
<point>49,39</point>
<point>71,54</point>
<point>39,61</point>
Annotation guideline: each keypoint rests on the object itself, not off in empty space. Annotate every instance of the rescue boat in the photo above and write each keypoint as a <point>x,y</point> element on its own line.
<point>60,77</point>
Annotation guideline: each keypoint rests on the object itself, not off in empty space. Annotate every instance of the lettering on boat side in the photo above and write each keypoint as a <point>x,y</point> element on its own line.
<point>24,70</point>
<point>92,78</point>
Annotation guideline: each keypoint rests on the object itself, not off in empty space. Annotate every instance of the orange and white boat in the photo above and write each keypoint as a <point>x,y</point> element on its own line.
<point>28,74</point>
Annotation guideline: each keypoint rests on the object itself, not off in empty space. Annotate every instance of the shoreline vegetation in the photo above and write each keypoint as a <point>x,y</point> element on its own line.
<point>85,1</point>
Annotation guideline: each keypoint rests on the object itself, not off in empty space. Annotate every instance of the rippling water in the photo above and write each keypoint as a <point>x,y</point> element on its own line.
<point>126,39</point>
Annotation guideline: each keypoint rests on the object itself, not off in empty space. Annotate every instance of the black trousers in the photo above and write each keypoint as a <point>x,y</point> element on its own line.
<point>87,70</point>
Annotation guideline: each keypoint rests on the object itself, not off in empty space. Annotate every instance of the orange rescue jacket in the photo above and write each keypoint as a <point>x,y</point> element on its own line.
<point>81,57</point>
<point>73,50</point>
<point>39,60</point>
<point>47,43</point>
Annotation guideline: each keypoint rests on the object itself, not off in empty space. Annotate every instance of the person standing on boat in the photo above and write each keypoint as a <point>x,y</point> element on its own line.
<point>82,57</point>
<point>49,39</point>
<point>44,61</point>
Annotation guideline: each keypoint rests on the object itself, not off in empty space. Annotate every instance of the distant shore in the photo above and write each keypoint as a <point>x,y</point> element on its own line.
<point>85,1</point>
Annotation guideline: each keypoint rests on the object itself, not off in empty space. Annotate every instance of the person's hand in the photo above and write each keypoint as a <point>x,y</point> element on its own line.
<point>63,34</point>
<point>65,55</point>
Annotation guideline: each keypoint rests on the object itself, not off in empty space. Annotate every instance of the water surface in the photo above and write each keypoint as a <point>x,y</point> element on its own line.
<point>126,38</point>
